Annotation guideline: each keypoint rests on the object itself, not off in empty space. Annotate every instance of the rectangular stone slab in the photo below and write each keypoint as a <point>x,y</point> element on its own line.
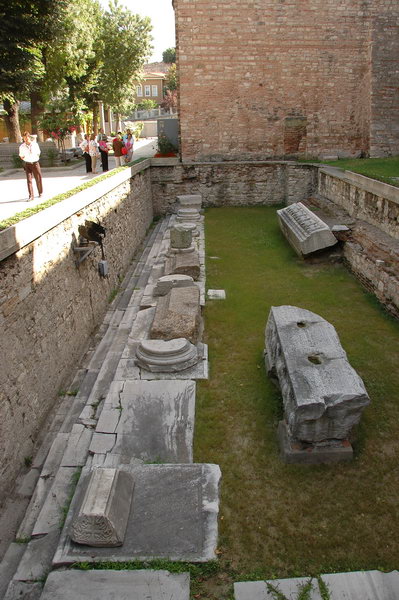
<point>184,264</point>
<point>305,232</point>
<point>173,516</point>
<point>152,420</point>
<point>123,585</point>
<point>178,315</point>
<point>323,395</point>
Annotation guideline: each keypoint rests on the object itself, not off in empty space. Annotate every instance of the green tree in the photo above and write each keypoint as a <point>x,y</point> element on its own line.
<point>171,80</point>
<point>125,47</point>
<point>26,26</point>
<point>169,55</point>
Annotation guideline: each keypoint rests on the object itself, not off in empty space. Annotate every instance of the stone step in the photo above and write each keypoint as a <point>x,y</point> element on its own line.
<point>358,585</point>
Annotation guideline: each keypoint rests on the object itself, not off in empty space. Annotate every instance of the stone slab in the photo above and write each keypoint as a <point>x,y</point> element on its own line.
<point>153,420</point>
<point>35,505</point>
<point>18,590</point>
<point>216,295</point>
<point>304,230</point>
<point>36,561</point>
<point>173,516</point>
<point>178,315</point>
<point>323,395</point>
<point>104,513</point>
<point>55,455</point>
<point>121,585</point>
<point>78,444</point>
<point>51,514</point>
<point>9,565</point>
<point>358,585</point>
<point>102,443</point>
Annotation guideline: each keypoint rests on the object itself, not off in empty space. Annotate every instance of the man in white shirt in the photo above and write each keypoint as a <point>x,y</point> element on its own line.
<point>29,152</point>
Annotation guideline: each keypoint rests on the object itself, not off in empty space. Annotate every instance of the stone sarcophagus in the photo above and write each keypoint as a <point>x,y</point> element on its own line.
<point>323,396</point>
<point>305,232</point>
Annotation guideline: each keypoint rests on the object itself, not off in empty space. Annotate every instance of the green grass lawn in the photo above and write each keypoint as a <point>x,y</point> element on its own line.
<point>382,169</point>
<point>276,519</point>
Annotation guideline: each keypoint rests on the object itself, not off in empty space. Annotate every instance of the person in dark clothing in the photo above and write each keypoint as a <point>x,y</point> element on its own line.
<point>84,145</point>
<point>103,147</point>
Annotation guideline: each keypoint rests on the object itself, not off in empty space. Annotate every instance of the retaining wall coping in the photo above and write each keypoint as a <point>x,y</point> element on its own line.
<point>26,231</point>
<point>379,188</point>
<point>234,163</point>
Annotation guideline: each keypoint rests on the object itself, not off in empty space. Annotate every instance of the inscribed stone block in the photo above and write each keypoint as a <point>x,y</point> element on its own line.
<point>104,512</point>
<point>304,230</point>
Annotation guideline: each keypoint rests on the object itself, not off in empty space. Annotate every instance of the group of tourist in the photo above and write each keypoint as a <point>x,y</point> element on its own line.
<point>94,148</point>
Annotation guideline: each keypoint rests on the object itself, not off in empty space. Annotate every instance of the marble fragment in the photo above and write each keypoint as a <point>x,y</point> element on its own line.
<point>304,230</point>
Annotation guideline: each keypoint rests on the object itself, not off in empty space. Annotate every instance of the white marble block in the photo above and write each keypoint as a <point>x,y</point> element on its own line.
<point>305,232</point>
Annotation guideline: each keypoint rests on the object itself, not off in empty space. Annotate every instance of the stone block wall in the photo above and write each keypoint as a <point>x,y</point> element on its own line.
<point>262,79</point>
<point>374,202</point>
<point>232,183</point>
<point>49,308</point>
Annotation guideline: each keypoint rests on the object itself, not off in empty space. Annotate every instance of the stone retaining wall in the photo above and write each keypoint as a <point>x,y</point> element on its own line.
<point>372,201</point>
<point>49,307</point>
<point>231,183</point>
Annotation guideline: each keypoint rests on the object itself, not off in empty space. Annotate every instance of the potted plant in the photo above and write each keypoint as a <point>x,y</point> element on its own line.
<point>165,147</point>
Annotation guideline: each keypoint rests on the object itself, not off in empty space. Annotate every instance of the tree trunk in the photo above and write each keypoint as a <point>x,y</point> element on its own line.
<point>118,122</point>
<point>12,120</point>
<point>37,107</point>
<point>95,117</point>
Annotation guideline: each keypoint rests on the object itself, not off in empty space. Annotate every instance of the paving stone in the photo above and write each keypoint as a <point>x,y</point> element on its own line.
<point>35,505</point>
<point>174,516</point>
<point>9,565</point>
<point>72,416</point>
<point>26,486</point>
<point>153,420</point>
<point>28,591</point>
<point>103,515</point>
<point>141,326</point>
<point>51,514</point>
<point>104,585</point>
<point>36,561</point>
<point>127,369</point>
<point>41,455</point>
<point>305,232</point>
<point>78,444</point>
<point>358,585</point>
<point>55,455</point>
<point>102,443</point>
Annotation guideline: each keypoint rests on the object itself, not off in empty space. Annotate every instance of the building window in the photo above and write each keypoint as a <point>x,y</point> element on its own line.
<point>155,91</point>
<point>147,91</point>
<point>139,90</point>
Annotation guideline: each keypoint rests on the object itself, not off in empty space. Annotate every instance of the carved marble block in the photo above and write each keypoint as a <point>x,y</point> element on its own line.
<point>167,282</point>
<point>173,356</point>
<point>190,201</point>
<point>305,232</point>
<point>184,264</point>
<point>323,395</point>
<point>178,315</point>
<point>104,513</point>
<point>180,237</point>
<point>188,215</point>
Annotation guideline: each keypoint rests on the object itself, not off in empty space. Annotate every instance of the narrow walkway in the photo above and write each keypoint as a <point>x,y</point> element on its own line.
<point>14,191</point>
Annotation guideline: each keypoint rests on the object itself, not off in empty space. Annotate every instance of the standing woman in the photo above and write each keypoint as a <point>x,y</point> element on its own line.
<point>104,152</point>
<point>84,145</point>
<point>93,151</point>
<point>29,151</point>
<point>129,147</point>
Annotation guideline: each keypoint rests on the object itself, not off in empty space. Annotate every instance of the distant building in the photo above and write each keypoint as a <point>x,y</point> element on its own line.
<point>153,82</point>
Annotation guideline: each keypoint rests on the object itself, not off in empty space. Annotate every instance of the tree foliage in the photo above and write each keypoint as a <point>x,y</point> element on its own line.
<point>171,80</point>
<point>169,55</point>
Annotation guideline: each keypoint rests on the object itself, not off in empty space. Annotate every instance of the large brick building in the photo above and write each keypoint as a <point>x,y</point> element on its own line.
<point>277,78</point>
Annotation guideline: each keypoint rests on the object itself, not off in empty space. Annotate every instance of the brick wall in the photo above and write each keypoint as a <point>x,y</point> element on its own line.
<point>49,308</point>
<point>268,78</point>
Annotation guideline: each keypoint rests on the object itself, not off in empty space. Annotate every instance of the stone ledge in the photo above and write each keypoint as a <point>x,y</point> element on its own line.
<point>26,231</point>
<point>378,188</point>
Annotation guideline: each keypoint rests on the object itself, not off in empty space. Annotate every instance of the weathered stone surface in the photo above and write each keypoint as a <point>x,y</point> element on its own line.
<point>180,237</point>
<point>178,315</point>
<point>36,561</point>
<point>19,589</point>
<point>152,420</point>
<point>323,395</point>
<point>188,214</point>
<point>121,585</point>
<point>51,514</point>
<point>167,282</point>
<point>216,295</point>
<point>166,356</point>
<point>184,264</point>
<point>190,201</point>
<point>304,230</point>
<point>357,585</point>
<point>174,516</point>
<point>191,227</point>
<point>104,512</point>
